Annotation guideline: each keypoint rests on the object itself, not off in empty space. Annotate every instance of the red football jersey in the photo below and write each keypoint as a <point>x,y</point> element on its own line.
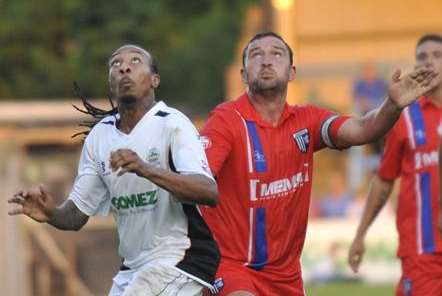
<point>264,177</point>
<point>411,153</point>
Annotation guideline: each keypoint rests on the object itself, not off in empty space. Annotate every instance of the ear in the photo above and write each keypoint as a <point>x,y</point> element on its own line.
<point>244,76</point>
<point>155,80</point>
<point>292,73</point>
<point>112,87</point>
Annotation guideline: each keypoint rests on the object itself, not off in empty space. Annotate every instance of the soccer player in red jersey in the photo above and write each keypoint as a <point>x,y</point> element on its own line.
<point>411,153</point>
<point>261,151</point>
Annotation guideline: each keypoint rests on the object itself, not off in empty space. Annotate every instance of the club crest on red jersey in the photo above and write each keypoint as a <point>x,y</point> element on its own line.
<point>302,139</point>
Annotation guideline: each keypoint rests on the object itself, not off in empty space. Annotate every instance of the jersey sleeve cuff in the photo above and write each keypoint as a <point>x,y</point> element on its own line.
<point>204,173</point>
<point>82,206</point>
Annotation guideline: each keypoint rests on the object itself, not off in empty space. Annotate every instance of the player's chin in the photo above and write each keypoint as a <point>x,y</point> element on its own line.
<point>128,98</point>
<point>271,86</point>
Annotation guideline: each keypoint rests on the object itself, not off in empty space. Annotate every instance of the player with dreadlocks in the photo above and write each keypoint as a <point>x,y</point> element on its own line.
<point>143,161</point>
<point>96,113</point>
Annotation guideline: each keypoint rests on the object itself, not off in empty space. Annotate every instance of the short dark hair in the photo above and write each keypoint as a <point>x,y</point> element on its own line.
<point>429,37</point>
<point>263,35</point>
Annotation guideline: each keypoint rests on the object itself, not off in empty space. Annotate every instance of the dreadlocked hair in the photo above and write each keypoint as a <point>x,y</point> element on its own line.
<point>96,113</point>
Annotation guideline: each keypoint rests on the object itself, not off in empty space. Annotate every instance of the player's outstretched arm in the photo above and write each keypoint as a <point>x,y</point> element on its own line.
<point>39,205</point>
<point>187,188</point>
<point>380,190</point>
<point>402,92</point>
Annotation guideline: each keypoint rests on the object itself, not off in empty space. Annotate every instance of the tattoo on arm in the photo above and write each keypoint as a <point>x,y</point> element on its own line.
<point>68,217</point>
<point>385,191</point>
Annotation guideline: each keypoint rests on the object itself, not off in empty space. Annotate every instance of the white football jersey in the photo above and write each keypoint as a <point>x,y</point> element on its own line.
<point>153,226</point>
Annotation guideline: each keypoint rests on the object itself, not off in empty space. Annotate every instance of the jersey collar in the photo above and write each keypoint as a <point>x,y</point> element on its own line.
<point>248,112</point>
<point>157,107</point>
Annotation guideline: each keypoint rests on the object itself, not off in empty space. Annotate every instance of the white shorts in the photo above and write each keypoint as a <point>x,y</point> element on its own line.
<point>158,280</point>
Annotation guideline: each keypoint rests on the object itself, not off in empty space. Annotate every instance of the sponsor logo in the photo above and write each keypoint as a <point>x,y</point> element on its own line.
<point>278,188</point>
<point>407,287</point>
<point>302,139</point>
<point>259,157</point>
<point>102,168</point>
<point>218,285</point>
<point>205,141</point>
<point>419,134</point>
<point>426,159</point>
<point>134,200</point>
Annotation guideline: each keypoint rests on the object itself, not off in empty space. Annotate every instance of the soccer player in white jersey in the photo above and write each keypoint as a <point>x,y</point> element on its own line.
<point>144,164</point>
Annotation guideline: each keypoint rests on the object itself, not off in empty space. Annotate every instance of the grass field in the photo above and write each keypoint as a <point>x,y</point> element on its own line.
<point>349,289</point>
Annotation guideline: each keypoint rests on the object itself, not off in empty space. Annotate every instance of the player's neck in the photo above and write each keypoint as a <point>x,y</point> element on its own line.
<point>130,115</point>
<point>269,106</point>
<point>436,96</point>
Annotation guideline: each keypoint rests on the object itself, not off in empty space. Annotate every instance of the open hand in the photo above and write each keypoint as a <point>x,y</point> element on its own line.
<point>35,203</point>
<point>405,90</point>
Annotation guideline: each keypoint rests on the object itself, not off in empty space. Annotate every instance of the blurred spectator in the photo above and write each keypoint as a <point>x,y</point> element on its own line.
<point>369,90</point>
<point>337,201</point>
<point>356,207</point>
<point>314,211</point>
<point>328,268</point>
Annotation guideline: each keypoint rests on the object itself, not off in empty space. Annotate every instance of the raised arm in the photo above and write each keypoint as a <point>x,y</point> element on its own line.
<point>380,190</point>
<point>189,188</point>
<point>373,125</point>
<point>39,205</point>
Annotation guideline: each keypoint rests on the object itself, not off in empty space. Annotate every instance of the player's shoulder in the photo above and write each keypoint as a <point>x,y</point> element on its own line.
<point>307,108</point>
<point>227,106</point>
<point>104,125</point>
<point>228,111</point>
<point>310,113</point>
<point>100,130</point>
<point>172,116</point>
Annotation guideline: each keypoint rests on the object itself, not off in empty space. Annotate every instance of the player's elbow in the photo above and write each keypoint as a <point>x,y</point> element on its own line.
<point>78,225</point>
<point>203,191</point>
<point>212,195</point>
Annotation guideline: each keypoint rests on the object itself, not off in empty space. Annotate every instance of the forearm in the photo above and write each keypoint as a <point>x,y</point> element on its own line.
<point>187,188</point>
<point>68,217</point>
<point>379,121</point>
<point>369,127</point>
<point>378,195</point>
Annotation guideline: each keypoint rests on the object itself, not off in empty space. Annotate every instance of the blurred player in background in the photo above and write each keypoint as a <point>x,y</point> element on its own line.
<point>411,153</point>
<point>146,165</point>
<point>260,150</point>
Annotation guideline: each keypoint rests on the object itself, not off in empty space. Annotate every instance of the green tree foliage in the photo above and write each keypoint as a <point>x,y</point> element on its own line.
<point>45,45</point>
